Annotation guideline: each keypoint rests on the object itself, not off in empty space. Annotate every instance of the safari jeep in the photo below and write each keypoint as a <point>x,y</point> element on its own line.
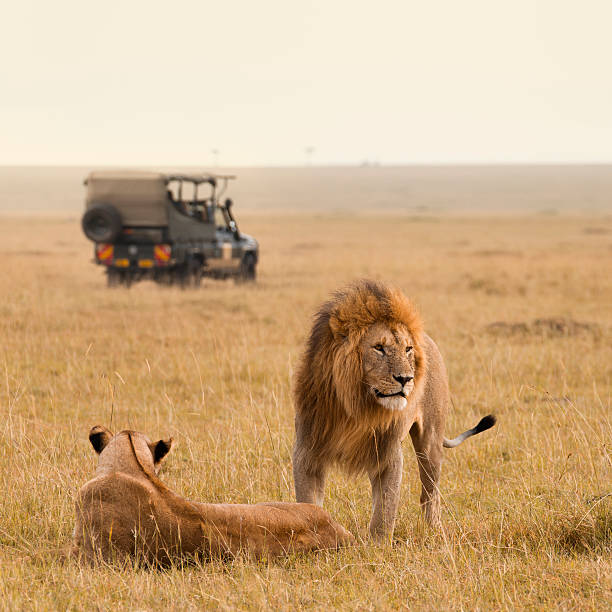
<point>149,225</point>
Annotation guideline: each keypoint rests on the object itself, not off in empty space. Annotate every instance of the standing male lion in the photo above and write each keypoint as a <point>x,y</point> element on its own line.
<point>368,377</point>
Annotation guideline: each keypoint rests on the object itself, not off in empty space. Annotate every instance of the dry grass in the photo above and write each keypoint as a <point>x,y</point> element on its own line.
<point>527,506</point>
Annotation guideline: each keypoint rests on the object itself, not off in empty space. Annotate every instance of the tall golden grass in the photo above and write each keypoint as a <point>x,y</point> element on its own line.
<point>527,512</point>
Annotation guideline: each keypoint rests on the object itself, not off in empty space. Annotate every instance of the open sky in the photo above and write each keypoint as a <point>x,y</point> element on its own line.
<point>166,83</point>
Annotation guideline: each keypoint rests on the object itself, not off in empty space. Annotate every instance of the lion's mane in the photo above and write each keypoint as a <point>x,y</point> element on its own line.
<point>344,422</point>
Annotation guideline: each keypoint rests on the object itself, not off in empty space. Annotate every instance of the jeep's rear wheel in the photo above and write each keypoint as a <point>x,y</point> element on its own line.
<point>102,223</point>
<point>197,269</point>
<point>113,278</point>
<point>181,275</point>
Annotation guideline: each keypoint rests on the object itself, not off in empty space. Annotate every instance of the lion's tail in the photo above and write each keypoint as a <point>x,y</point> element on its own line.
<point>484,424</point>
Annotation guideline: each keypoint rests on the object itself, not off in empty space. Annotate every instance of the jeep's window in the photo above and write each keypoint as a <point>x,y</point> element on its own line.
<point>220,219</point>
<point>173,190</point>
<point>184,193</point>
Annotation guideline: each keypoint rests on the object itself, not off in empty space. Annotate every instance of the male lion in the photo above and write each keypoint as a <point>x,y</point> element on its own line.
<point>368,377</point>
<point>126,510</point>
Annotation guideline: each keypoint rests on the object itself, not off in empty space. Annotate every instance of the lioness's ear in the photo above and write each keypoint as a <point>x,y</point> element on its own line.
<point>160,449</point>
<point>99,437</point>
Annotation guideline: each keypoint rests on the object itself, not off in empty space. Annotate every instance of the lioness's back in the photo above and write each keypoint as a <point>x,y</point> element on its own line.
<point>114,508</point>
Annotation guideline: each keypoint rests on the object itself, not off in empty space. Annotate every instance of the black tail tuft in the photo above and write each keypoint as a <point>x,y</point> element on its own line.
<point>485,423</point>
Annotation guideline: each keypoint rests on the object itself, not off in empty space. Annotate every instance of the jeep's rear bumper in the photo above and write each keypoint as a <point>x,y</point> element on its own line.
<point>140,256</point>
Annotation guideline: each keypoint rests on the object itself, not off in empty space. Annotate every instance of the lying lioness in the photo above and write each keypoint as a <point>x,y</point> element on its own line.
<point>125,510</point>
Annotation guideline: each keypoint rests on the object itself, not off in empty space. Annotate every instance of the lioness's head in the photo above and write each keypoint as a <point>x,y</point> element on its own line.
<point>365,351</point>
<point>119,451</point>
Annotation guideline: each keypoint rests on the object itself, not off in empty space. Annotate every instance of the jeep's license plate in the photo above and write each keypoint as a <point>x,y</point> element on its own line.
<point>122,263</point>
<point>145,263</point>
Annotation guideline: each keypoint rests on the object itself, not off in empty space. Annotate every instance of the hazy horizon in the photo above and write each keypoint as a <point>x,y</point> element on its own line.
<point>409,189</point>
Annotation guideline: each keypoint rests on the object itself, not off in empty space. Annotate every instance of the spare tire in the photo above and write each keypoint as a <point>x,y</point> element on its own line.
<point>102,223</point>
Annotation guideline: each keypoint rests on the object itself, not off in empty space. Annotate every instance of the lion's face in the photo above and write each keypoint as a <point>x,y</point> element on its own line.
<point>388,360</point>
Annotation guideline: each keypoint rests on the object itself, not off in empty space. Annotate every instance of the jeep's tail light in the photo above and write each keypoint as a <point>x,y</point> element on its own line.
<point>104,253</point>
<point>162,254</point>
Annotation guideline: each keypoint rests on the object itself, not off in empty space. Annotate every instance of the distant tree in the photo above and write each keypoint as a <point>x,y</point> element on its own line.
<point>309,150</point>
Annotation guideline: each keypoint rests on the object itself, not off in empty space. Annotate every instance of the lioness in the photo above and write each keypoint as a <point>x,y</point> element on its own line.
<point>125,510</point>
<point>369,376</point>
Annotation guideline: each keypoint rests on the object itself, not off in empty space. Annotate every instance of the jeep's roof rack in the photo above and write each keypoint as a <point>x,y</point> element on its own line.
<point>198,178</point>
<point>192,178</point>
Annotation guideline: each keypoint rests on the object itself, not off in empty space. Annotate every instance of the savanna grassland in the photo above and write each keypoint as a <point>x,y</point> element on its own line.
<point>521,308</point>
